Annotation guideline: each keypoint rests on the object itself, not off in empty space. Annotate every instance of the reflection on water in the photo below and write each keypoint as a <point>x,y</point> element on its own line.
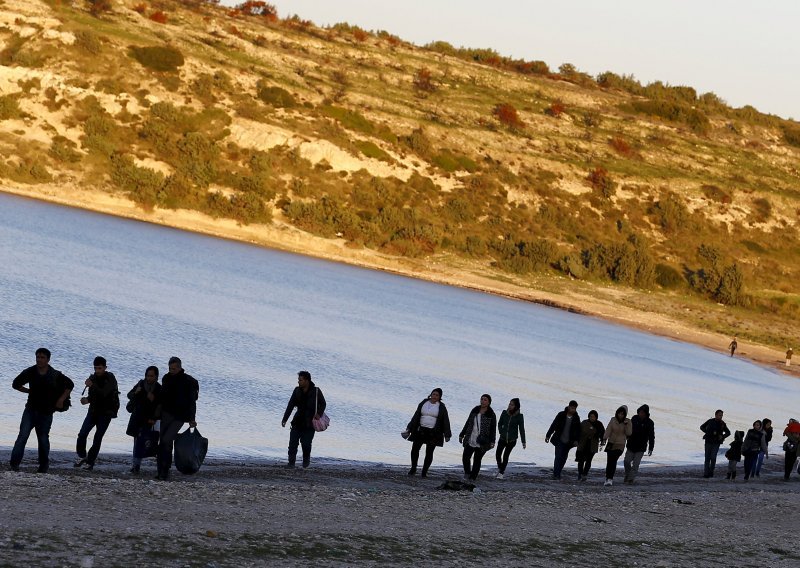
<point>245,320</point>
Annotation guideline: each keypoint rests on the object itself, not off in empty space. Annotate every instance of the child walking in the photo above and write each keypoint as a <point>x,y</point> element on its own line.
<point>734,454</point>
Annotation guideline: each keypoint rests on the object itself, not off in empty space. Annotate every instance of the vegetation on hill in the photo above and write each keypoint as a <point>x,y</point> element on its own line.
<point>413,151</point>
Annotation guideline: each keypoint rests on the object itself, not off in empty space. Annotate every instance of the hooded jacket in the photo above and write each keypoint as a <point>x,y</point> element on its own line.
<point>617,432</point>
<point>309,403</point>
<point>643,434</point>
<point>734,453</point>
<point>179,393</point>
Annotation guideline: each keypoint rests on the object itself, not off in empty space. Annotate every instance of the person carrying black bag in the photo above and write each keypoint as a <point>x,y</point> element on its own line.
<point>179,393</point>
<point>144,402</point>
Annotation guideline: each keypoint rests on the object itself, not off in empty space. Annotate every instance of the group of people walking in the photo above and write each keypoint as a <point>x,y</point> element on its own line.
<point>158,411</point>
<point>169,404</point>
<point>430,427</point>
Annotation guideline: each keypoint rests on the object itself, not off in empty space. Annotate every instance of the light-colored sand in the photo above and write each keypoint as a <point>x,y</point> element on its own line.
<point>282,236</point>
<point>257,514</point>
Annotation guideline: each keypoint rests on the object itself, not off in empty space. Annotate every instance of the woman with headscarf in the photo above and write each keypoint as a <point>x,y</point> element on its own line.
<point>511,426</point>
<point>478,437</point>
<point>615,437</point>
<point>430,426</point>
<point>592,432</point>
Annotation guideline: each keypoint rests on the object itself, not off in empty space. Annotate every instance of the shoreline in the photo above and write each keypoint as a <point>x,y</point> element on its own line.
<point>285,238</point>
<point>262,514</point>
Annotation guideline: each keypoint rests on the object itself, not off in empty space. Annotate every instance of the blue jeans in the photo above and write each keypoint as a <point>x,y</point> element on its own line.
<point>100,423</point>
<point>300,436</point>
<point>759,463</point>
<point>562,453</point>
<point>712,449</point>
<point>41,422</point>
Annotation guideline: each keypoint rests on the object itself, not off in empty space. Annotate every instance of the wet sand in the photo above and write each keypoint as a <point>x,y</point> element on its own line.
<point>257,513</point>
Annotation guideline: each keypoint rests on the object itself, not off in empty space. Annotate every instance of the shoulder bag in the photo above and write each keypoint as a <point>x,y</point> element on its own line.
<point>319,424</point>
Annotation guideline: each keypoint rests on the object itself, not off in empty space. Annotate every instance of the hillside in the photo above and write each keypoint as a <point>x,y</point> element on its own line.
<point>452,164</point>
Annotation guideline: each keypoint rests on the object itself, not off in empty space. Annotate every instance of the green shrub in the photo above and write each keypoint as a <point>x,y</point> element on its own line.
<point>671,213</point>
<point>31,170</point>
<point>350,119</point>
<point>197,159</point>
<point>371,150</point>
<point>142,184</point>
<point>673,111</point>
<point>668,277</point>
<point>88,41</point>
<point>275,96</point>
<point>717,194</point>
<point>9,108</point>
<point>63,150</point>
<point>159,58</point>
<point>791,133</point>
<point>762,209</point>
<point>418,142</point>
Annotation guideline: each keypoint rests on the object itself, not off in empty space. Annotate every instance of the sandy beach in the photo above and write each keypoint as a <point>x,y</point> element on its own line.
<point>282,236</point>
<point>256,513</point>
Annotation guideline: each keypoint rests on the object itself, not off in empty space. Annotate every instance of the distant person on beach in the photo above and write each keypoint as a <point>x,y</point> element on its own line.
<point>791,447</point>
<point>429,426</point>
<point>616,436</point>
<point>564,433</point>
<point>103,401</point>
<point>478,437</point>
<point>589,443</point>
<point>179,394</point>
<point>511,427</point>
<point>642,438</point>
<point>715,431</point>
<point>754,441</point>
<point>48,391</point>
<point>734,454</point>
<point>789,353</point>
<point>766,427</point>
<point>145,399</point>
<point>733,345</point>
<point>310,403</point>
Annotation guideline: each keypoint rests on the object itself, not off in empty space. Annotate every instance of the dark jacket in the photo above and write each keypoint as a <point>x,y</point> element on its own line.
<point>308,404</point>
<point>755,441</point>
<point>179,395</point>
<point>440,431</point>
<point>144,409</point>
<point>715,431</point>
<point>488,428</point>
<point>103,395</point>
<point>511,427</point>
<point>45,390</point>
<point>643,432</point>
<point>554,432</point>
<point>589,442</point>
<point>735,451</point>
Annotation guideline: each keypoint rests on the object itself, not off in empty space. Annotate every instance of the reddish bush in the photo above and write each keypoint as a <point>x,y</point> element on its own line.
<point>141,8</point>
<point>159,16</point>
<point>99,7</point>
<point>360,35</point>
<point>556,109</point>
<point>621,146</point>
<point>507,115</point>
<point>423,81</point>
<point>601,181</point>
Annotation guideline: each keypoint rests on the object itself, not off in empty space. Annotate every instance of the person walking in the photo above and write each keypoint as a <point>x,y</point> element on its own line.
<point>732,346</point>
<point>790,447</point>
<point>766,427</point>
<point>642,438</point>
<point>754,441</point>
<point>145,401</point>
<point>615,438</point>
<point>714,433</point>
<point>429,426</point>
<point>310,403</point>
<point>478,437</point>
<point>734,454</point>
<point>789,354</point>
<point>48,391</point>
<point>103,401</point>
<point>564,432</point>
<point>511,426</point>
<point>589,443</point>
<point>179,394</point>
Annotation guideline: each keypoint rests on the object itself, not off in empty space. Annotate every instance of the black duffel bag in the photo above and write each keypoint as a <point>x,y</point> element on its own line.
<point>190,451</point>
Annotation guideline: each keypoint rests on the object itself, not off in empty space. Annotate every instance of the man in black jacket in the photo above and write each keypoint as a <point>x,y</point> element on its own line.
<point>179,393</point>
<point>48,390</point>
<point>564,433</point>
<point>643,437</point>
<point>715,431</point>
<point>310,404</point>
<point>103,401</point>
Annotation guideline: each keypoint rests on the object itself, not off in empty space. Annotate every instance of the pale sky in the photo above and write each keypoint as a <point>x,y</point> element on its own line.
<point>746,52</point>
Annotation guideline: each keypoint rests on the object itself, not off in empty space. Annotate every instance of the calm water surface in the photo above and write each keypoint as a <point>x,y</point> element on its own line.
<point>246,319</point>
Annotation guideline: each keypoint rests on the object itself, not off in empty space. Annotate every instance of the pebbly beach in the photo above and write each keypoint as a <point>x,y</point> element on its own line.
<point>257,513</point>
